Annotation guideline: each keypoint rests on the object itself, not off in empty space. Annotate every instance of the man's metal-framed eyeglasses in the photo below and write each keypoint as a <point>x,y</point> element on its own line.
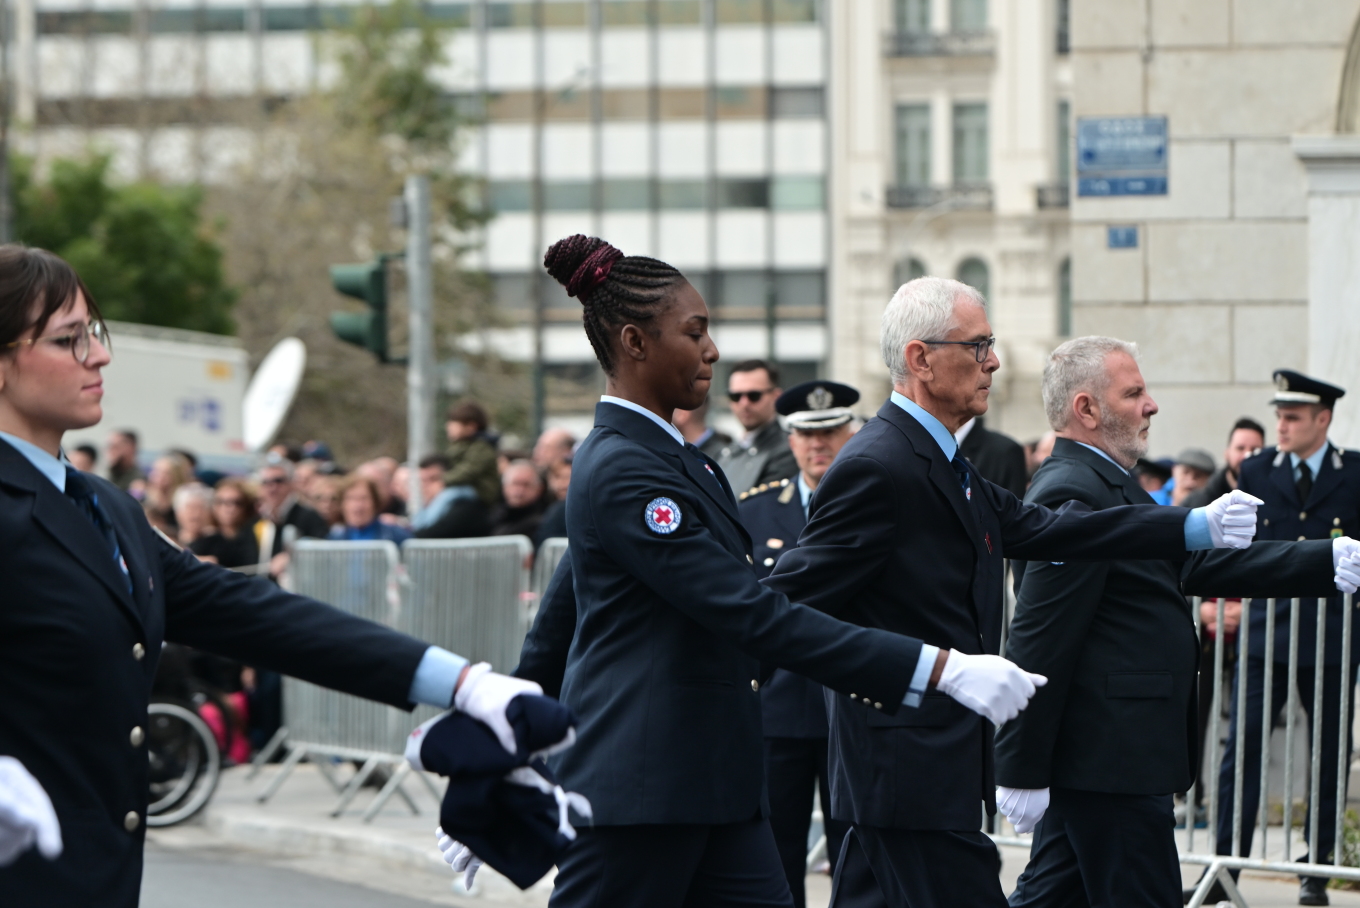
<point>981,349</point>
<point>77,340</point>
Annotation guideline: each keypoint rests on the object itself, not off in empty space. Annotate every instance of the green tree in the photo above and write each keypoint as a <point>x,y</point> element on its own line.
<point>141,248</point>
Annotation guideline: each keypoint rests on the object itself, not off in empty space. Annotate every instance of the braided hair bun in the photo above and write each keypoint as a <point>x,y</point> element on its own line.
<point>614,289</point>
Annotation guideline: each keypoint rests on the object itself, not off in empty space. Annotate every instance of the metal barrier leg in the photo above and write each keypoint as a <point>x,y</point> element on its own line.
<point>392,787</point>
<point>1217,873</point>
<point>1317,718</point>
<point>290,762</point>
<point>267,753</point>
<point>352,789</point>
<point>327,770</point>
<point>1343,750</point>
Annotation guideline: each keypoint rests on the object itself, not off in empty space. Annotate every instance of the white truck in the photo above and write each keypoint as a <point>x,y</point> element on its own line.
<point>176,389</point>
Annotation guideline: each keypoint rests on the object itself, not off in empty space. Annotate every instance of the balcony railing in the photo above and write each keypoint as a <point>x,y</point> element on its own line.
<point>1053,195</point>
<point>963,197</point>
<point>939,44</point>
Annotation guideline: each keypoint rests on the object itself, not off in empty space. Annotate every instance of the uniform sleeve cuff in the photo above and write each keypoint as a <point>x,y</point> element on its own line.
<point>1197,536</point>
<point>435,678</point>
<point>920,679</point>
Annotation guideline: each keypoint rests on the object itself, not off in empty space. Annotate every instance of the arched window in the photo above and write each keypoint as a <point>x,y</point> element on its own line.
<point>974,273</point>
<point>1065,298</point>
<point>908,269</point>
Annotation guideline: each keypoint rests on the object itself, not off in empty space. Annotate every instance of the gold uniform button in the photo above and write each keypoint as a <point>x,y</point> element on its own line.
<point>131,821</point>
<point>878,706</point>
<point>138,651</point>
<point>1301,538</point>
<point>750,560</point>
<point>1266,521</point>
<point>866,701</point>
<point>853,697</point>
<point>137,736</point>
<point>1303,515</point>
<point>755,685</point>
<point>769,562</point>
<point>1336,521</point>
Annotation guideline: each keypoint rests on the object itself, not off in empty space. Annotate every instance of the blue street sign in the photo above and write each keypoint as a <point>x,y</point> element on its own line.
<point>1122,237</point>
<point>1121,156</point>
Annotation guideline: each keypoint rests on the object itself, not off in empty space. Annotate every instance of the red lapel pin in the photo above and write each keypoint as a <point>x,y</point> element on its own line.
<point>987,538</point>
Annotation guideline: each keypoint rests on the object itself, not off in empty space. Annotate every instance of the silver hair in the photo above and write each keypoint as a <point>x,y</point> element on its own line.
<point>1075,366</point>
<point>922,309</point>
<point>191,491</point>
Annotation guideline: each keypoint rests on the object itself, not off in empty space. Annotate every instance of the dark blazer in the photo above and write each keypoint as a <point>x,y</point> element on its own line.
<point>768,459</point>
<point>791,706</point>
<point>893,542</point>
<point>1117,642</point>
<point>1332,509</point>
<point>664,634</point>
<point>999,458</point>
<point>78,653</point>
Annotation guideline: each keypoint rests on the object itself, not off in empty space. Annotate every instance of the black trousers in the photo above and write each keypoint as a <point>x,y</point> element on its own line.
<point>1110,850</point>
<point>1251,786</point>
<point>794,767</point>
<point>734,865</point>
<point>908,868</point>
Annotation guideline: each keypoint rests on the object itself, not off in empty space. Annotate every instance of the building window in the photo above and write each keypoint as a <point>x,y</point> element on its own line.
<point>800,289</point>
<point>797,103</point>
<point>626,12</point>
<point>913,145</point>
<point>974,273</point>
<point>743,193</point>
<point>797,193</point>
<point>682,194</point>
<point>970,144</point>
<point>908,270</point>
<point>913,16</point>
<point>1065,298</point>
<point>510,15</point>
<point>785,11</point>
<point>510,195</point>
<point>968,16</point>
<point>627,195</point>
<point>1064,26</point>
<point>449,13</point>
<point>512,292</point>
<point>573,196</point>
<point>679,12</point>
<point>743,290</point>
<point>1064,139</point>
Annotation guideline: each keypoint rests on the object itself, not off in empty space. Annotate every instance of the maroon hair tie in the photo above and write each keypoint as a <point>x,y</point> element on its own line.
<point>593,271</point>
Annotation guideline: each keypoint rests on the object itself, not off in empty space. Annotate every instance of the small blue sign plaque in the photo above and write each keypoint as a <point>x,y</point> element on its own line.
<point>1121,156</point>
<point>1124,236</point>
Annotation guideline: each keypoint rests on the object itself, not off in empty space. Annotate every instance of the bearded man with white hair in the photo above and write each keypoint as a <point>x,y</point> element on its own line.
<point>1091,765</point>
<point>903,534</point>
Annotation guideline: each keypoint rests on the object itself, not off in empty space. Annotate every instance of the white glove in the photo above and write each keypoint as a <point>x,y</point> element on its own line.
<point>1346,562</point>
<point>1232,519</point>
<point>484,695</point>
<point>26,814</point>
<point>1024,807</point>
<point>459,857</point>
<point>990,686</point>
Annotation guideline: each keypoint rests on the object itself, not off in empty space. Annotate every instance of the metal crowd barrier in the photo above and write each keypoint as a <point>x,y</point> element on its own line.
<point>466,595</point>
<point>545,565</point>
<point>1276,841</point>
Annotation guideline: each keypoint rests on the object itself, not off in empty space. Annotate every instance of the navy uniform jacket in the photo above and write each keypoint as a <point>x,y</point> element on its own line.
<point>656,638</point>
<point>893,542</point>
<point>78,654</point>
<point>1118,645</point>
<point>791,706</point>
<point>1332,509</point>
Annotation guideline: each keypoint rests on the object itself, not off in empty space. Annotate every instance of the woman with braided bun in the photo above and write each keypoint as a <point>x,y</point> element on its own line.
<point>654,628</point>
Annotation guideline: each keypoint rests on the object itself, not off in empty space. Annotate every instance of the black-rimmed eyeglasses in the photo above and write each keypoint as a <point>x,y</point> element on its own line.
<point>77,340</point>
<point>981,349</point>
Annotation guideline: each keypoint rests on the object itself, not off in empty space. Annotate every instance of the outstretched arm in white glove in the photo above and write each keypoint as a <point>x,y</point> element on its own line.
<point>993,687</point>
<point>1232,519</point>
<point>26,814</point>
<point>484,695</point>
<point>1346,561</point>
<point>459,857</point>
<point>1024,807</point>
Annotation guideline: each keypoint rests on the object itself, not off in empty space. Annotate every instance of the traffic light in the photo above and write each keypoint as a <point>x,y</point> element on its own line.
<point>365,281</point>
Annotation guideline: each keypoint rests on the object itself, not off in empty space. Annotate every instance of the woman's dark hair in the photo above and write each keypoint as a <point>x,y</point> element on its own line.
<point>29,278</point>
<point>614,289</point>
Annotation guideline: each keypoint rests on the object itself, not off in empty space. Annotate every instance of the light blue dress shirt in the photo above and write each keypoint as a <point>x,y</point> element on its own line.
<point>438,671</point>
<point>1313,460</point>
<point>670,430</point>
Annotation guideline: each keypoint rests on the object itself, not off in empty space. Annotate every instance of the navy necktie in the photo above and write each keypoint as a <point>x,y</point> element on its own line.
<point>961,469</point>
<point>87,500</point>
<point>1305,483</point>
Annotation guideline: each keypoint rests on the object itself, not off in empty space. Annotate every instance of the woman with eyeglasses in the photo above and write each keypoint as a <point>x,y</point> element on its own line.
<point>234,545</point>
<point>91,592</point>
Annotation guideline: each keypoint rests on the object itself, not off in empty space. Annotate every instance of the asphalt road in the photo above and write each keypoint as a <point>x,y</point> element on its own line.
<point>215,879</point>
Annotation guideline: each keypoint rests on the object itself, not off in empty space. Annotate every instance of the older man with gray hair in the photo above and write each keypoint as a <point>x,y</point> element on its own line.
<point>904,535</point>
<point>1091,765</point>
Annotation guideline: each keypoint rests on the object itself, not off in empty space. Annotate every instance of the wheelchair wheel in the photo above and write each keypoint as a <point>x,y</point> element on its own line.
<point>185,764</point>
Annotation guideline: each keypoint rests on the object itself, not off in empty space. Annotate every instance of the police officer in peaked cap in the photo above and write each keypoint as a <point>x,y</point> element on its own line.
<point>793,710</point>
<point>1311,490</point>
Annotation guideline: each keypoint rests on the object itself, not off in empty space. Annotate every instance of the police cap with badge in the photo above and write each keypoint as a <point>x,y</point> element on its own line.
<point>1294,389</point>
<point>816,405</point>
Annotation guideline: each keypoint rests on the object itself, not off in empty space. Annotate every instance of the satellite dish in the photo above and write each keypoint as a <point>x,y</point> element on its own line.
<point>271,392</point>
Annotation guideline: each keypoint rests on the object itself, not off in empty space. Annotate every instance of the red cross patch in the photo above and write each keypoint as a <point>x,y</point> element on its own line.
<point>662,516</point>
